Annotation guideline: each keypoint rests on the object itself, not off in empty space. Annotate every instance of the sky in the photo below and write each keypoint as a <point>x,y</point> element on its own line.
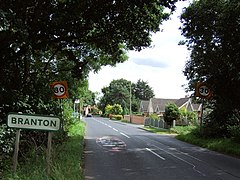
<point>160,66</point>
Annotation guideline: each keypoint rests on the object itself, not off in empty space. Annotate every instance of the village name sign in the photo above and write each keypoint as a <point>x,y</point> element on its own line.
<point>26,121</point>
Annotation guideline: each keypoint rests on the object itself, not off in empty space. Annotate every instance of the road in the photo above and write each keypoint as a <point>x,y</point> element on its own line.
<point>120,151</point>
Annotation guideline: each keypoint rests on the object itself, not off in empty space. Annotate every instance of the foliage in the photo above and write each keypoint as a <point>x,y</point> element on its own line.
<point>142,90</point>
<point>171,113</point>
<point>154,116</point>
<point>156,130</point>
<point>235,132</point>
<point>7,137</point>
<point>42,41</point>
<point>66,158</point>
<point>116,109</point>
<point>108,109</point>
<point>184,130</point>
<point>211,28</point>
<point>117,117</point>
<point>188,116</point>
<point>47,41</point>
<point>222,145</point>
<point>118,92</point>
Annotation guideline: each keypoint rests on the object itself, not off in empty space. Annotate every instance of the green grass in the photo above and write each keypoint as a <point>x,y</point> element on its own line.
<point>222,145</point>
<point>188,134</point>
<point>66,160</point>
<point>158,130</point>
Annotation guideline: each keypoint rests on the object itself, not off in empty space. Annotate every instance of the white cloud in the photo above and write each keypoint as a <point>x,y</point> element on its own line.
<point>161,66</point>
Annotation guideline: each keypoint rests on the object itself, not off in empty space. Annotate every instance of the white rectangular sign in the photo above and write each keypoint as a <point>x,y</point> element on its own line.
<point>29,121</point>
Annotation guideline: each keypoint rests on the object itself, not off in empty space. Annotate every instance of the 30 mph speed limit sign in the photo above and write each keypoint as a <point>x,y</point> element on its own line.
<point>60,89</point>
<point>203,91</point>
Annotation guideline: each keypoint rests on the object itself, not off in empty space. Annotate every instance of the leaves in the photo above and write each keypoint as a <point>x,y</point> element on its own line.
<point>171,113</point>
<point>211,28</point>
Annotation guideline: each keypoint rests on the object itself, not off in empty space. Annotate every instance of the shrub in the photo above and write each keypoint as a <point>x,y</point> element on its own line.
<point>171,113</point>
<point>117,117</point>
<point>235,132</point>
<point>116,109</point>
<point>108,109</point>
<point>7,137</point>
<point>154,116</point>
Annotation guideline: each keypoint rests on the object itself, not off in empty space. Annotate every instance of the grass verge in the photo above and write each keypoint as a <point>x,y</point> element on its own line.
<point>66,160</point>
<point>222,145</point>
<point>189,134</point>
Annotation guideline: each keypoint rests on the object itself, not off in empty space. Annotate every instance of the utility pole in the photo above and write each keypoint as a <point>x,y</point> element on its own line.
<point>130,102</point>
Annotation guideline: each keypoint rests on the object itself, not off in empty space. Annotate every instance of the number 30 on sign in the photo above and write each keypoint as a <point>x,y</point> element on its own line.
<point>203,91</point>
<point>60,89</point>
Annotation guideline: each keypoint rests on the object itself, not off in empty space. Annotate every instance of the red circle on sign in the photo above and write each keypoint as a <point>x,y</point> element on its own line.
<point>60,89</point>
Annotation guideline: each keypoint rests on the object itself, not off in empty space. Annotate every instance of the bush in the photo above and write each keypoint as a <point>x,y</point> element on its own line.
<point>7,137</point>
<point>117,117</point>
<point>185,129</point>
<point>235,132</point>
<point>154,116</point>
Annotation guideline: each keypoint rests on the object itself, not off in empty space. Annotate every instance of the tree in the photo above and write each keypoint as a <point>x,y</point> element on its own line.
<point>171,113</point>
<point>211,28</point>
<point>118,92</point>
<point>108,109</point>
<point>43,41</point>
<point>142,90</point>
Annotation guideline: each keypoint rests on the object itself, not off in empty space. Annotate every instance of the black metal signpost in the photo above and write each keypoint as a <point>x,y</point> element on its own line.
<point>203,91</point>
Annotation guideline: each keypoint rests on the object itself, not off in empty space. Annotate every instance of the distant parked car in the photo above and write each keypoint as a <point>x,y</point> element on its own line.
<point>89,115</point>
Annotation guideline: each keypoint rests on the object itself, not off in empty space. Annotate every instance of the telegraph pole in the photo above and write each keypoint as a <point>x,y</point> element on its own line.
<point>130,102</point>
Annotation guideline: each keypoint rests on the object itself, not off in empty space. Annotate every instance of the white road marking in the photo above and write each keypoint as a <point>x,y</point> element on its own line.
<point>155,154</point>
<point>112,128</point>
<point>124,135</point>
<point>181,159</point>
<point>115,129</point>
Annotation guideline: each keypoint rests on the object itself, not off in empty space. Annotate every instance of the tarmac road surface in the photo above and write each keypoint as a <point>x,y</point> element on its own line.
<point>121,151</point>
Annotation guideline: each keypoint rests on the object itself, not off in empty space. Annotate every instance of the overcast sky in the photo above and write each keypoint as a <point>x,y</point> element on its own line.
<point>161,66</point>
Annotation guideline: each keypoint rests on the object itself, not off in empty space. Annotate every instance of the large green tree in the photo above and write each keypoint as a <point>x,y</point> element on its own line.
<point>211,28</point>
<point>142,90</point>
<point>47,40</point>
<point>118,92</point>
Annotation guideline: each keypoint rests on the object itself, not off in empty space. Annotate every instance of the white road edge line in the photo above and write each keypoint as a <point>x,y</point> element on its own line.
<point>124,135</point>
<point>155,154</point>
<point>115,129</point>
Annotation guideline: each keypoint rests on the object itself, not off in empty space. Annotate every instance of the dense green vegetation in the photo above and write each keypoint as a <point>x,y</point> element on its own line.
<point>45,41</point>
<point>211,28</point>
<point>66,159</point>
<point>171,113</point>
<point>120,92</point>
<point>191,135</point>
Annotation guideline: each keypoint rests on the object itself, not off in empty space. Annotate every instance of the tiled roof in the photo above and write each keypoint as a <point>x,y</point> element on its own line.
<point>144,106</point>
<point>159,104</point>
<point>180,102</point>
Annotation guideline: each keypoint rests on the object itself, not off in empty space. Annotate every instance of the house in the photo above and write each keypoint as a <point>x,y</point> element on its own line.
<point>157,105</point>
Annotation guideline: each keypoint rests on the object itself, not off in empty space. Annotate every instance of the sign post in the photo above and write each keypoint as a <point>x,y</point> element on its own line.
<point>15,156</point>
<point>37,122</point>
<point>49,149</point>
<point>203,91</point>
